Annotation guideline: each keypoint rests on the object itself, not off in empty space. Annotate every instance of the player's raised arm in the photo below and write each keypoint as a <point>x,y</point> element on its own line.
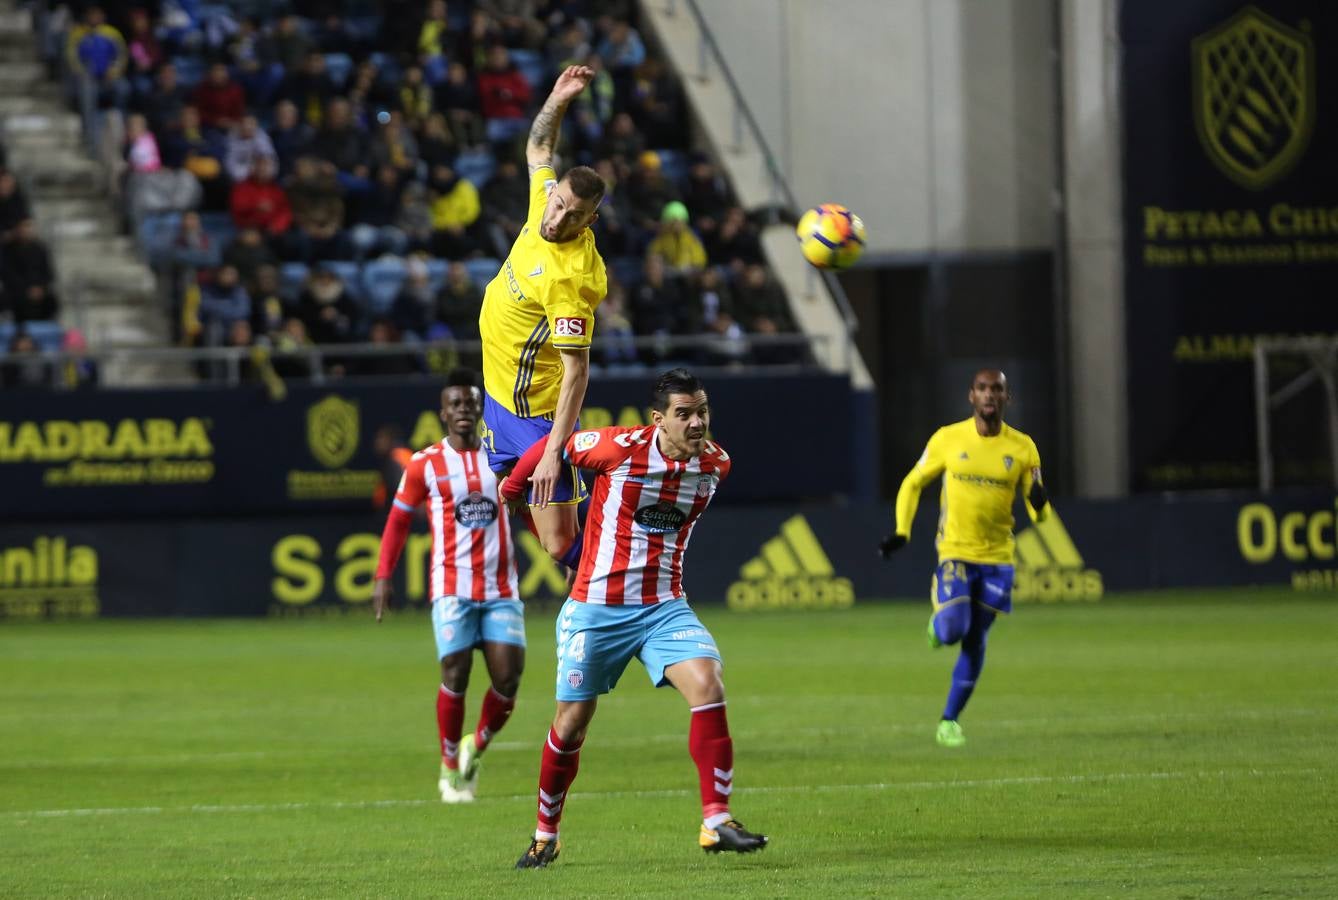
<point>926,469</point>
<point>548,121</point>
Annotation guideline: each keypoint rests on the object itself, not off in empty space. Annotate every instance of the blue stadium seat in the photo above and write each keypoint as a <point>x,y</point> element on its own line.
<point>7,330</point>
<point>47,334</point>
<point>483,269</point>
<point>475,166</point>
<point>350,273</point>
<point>339,66</point>
<point>219,227</point>
<point>436,273</point>
<point>533,66</point>
<point>674,165</point>
<point>382,280</point>
<point>156,233</point>
<point>292,276</point>
<point>190,70</point>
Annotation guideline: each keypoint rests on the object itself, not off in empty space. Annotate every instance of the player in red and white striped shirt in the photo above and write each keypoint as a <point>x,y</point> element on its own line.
<point>475,602</point>
<point>652,484</point>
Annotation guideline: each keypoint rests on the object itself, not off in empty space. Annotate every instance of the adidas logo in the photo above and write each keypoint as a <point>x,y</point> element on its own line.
<point>791,572</point>
<point>1049,568</point>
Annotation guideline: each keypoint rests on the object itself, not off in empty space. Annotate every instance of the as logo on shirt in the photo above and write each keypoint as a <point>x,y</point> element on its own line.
<point>660,518</point>
<point>571,326</point>
<point>586,440</point>
<point>476,511</point>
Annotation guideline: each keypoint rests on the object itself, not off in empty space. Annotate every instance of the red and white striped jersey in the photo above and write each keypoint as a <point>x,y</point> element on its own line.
<point>472,554</point>
<point>642,512</point>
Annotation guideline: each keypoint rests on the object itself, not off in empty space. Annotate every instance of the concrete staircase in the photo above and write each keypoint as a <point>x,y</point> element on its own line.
<point>105,289</point>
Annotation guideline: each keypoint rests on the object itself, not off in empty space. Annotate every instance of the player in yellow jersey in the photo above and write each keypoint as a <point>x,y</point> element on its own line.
<point>537,319</point>
<point>984,465</point>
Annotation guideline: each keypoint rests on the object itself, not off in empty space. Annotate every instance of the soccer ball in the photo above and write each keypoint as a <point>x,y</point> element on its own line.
<point>830,236</point>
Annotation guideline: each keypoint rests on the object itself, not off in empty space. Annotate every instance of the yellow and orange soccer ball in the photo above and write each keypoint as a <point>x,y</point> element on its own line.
<point>830,236</point>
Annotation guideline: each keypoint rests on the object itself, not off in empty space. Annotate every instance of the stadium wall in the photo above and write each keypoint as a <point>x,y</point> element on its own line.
<point>752,559</point>
<point>941,113</point>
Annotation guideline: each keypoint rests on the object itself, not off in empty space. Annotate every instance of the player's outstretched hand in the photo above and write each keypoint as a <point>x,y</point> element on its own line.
<point>890,544</point>
<point>571,82</point>
<point>383,594</point>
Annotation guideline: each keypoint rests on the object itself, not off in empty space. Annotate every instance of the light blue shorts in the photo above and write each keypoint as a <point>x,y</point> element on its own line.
<point>464,624</point>
<point>596,642</point>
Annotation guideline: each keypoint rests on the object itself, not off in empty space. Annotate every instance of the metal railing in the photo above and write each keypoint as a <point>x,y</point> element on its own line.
<point>322,363</point>
<point>708,53</point>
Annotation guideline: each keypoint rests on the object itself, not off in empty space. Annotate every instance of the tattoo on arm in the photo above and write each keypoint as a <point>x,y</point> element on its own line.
<point>543,134</point>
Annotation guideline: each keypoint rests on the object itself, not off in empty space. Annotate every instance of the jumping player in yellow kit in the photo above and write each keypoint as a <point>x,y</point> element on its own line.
<point>537,320</point>
<point>983,463</point>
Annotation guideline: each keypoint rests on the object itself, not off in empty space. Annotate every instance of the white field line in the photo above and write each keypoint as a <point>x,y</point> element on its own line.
<point>1090,778</point>
<point>1067,724</point>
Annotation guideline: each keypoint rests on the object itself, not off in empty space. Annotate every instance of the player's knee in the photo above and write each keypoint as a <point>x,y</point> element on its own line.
<point>556,545</point>
<point>952,623</point>
<point>455,671</point>
<point>507,683</point>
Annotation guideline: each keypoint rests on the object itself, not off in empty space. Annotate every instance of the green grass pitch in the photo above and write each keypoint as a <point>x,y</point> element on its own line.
<point>1169,745</point>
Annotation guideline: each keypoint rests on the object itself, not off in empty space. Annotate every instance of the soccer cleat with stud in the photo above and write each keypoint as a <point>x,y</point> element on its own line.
<point>470,760</point>
<point>730,836</point>
<point>542,852</point>
<point>934,642</point>
<point>452,787</point>
<point>949,734</point>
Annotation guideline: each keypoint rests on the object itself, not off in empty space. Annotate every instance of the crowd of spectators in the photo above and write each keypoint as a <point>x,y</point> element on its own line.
<point>327,174</point>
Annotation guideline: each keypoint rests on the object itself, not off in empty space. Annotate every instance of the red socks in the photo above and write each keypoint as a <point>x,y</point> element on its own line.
<point>450,722</point>
<point>713,752</point>
<point>496,710</point>
<point>556,773</point>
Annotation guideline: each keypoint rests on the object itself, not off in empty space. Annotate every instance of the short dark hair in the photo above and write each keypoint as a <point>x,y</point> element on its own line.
<point>675,381</point>
<point>586,183</point>
<point>462,377</point>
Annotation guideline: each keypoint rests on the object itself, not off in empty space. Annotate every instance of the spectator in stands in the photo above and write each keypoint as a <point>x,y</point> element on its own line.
<point>249,253</point>
<point>622,143</point>
<point>394,145</point>
<point>613,227</point>
<point>162,102</point>
<point>648,190</point>
<point>269,310</point>
<point>340,141</point>
<point>506,201</point>
<point>458,98</point>
<point>705,194</point>
<point>455,209</point>
<point>239,335</point>
<point>260,201</point>
<point>382,333</point>
<point>658,301</point>
<point>760,303</point>
<point>78,371</point>
<point>23,366</point>
<point>289,135</point>
<point>437,41</point>
<point>141,148</point>
<point>735,243</point>
<point>414,98</point>
<point>318,213</point>
<point>675,244</point>
<point>367,96</point>
<point>187,146</point>
<point>414,218</point>
<point>376,211</point>
<point>504,95</point>
<point>331,32</point>
<point>219,99</point>
<point>458,303</point>
<point>223,301</point>
<point>656,105</point>
<point>247,143</point>
<point>725,343</point>
<point>327,309</point>
<point>25,269</point>
<point>291,48</point>
<point>614,325</point>
<point>309,88</point>
<point>569,43</point>
<point>192,247</point>
<point>401,23</point>
<point>483,32</point>
<point>593,109</point>
<point>622,51</point>
<point>436,145</point>
<point>518,21</point>
<point>13,204</point>
<point>144,52</point>
<point>97,51</point>
<point>257,71</point>
<point>411,312</point>
<point>291,342</point>
<point>715,298</point>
